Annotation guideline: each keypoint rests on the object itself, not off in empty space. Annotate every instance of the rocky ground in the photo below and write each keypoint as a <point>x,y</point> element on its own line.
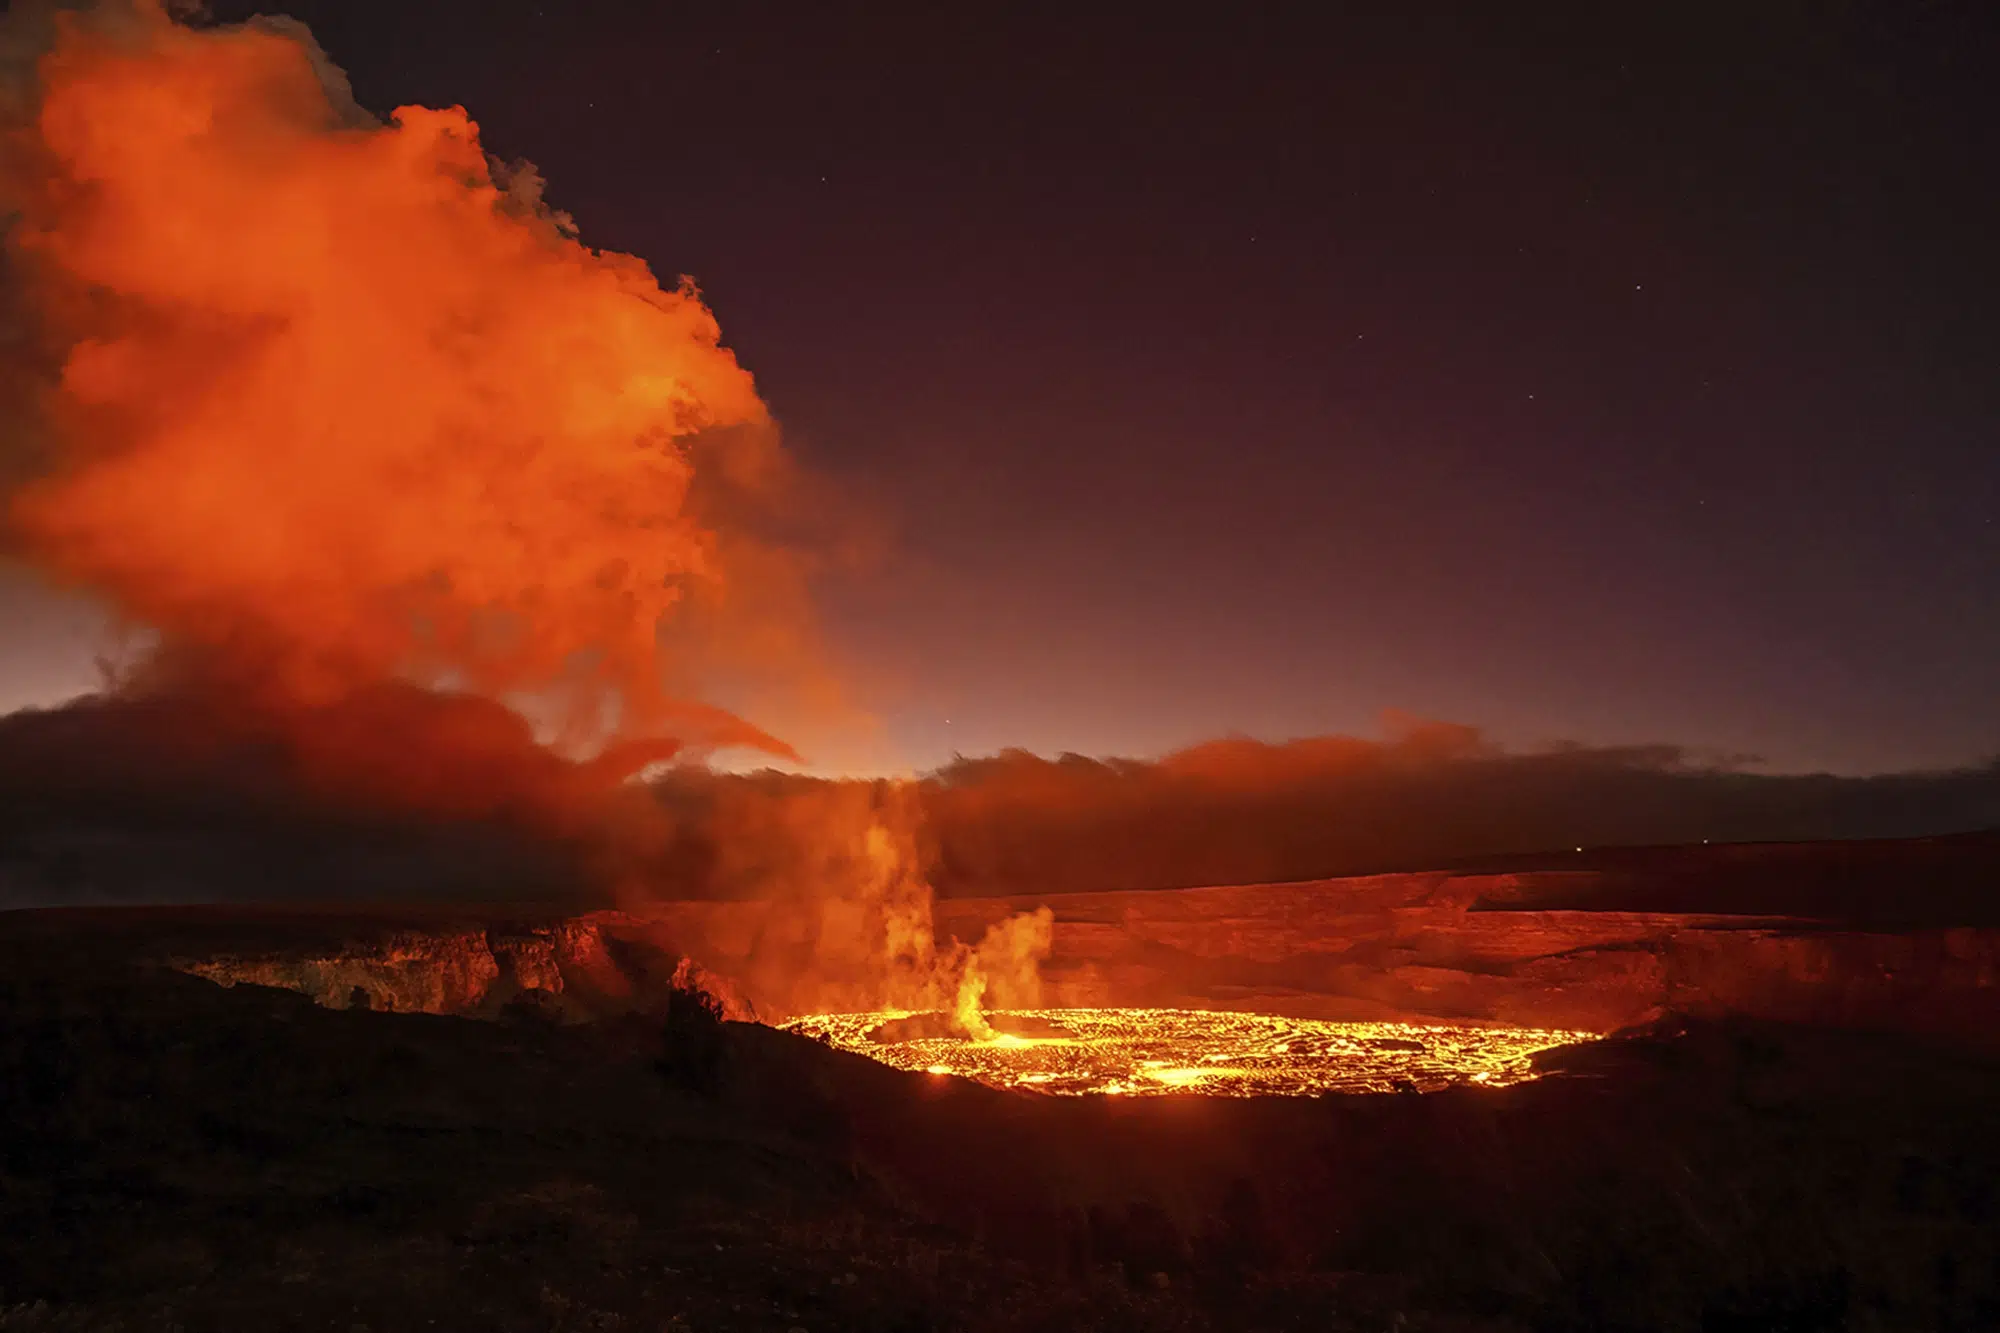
<point>177,1154</point>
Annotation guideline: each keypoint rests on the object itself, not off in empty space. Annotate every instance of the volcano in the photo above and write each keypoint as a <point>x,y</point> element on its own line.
<point>403,1115</point>
<point>390,955</point>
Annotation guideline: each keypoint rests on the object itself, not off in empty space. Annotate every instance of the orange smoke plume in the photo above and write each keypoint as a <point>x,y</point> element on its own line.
<point>386,455</point>
<point>834,907</point>
<point>338,403</point>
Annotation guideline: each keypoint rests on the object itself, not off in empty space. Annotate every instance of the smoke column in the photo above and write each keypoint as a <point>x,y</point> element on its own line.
<point>339,405</point>
<point>384,453</point>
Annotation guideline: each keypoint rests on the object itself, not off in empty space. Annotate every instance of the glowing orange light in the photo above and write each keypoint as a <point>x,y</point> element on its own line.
<point>1154,1052</point>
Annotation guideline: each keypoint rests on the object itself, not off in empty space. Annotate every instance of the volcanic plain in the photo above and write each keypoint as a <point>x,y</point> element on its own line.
<point>512,1119</point>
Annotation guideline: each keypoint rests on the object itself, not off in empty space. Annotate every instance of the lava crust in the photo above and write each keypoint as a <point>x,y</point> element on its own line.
<point>1162,1051</point>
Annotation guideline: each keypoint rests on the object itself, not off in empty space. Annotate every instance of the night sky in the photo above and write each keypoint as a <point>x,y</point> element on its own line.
<point>1574,373</point>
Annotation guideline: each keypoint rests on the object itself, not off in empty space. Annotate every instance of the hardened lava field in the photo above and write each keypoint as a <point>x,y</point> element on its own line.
<point>1160,1051</point>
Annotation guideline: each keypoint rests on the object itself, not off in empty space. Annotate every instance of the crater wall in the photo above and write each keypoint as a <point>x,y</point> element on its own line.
<point>1418,946</point>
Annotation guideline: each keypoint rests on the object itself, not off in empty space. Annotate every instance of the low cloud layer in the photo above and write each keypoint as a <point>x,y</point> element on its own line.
<point>149,798</point>
<point>1240,811</point>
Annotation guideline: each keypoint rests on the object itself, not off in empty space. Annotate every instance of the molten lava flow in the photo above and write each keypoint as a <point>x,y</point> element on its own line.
<point>1160,1051</point>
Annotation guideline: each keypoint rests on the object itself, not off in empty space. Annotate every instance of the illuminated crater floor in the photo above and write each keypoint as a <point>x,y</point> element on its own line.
<point>1156,1051</point>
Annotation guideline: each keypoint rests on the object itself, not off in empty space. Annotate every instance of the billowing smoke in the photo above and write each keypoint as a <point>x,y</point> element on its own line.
<point>393,463</point>
<point>834,906</point>
<point>339,406</point>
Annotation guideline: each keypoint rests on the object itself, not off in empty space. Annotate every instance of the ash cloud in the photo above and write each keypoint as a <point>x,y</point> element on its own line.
<point>392,463</point>
<point>342,410</point>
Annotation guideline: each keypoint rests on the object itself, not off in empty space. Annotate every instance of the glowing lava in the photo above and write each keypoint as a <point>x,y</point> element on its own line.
<point>1160,1051</point>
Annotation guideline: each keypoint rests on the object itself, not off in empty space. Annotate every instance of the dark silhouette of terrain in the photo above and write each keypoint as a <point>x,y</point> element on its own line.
<point>181,1155</point>
<point>1882,884</point>
<point>176,1154</point>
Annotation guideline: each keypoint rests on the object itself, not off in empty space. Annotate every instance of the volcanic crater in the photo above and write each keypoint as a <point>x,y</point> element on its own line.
<point>517,1113</point>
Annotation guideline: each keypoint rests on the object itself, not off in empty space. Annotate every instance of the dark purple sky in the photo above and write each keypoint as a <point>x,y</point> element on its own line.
<point>1567,372</point>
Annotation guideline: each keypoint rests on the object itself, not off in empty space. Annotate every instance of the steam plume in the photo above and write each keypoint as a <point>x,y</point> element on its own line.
<point>337,404</point>
<point>352,418</point>
<point>844,920</point>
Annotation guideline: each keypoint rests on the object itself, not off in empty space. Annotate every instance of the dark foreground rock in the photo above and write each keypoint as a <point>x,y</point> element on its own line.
<point>175,1154</point>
